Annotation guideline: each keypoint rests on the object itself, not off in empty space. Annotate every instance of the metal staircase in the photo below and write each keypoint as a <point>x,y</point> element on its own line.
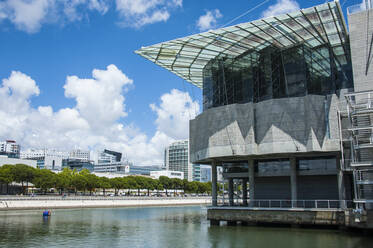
<point>360,115</point>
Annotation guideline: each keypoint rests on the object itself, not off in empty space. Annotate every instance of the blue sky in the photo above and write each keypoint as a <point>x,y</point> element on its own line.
<point>49,47</point>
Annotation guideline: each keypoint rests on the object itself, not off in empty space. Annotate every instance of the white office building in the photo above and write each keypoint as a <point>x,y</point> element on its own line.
<point>167,173</point>
<point>46,158</point>
<point>10,148</point>
<point>79,154</point>
<point>111,162</point>
<point>177,158</point>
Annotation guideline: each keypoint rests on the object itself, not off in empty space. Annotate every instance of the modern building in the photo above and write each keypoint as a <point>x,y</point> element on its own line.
<point>80,154</point>
<point>10,149</point>
<point>196,172</point>
<point>7,160</point>
<point>46,158</point>
<point>205,174</point>
<point>142,170</point>
<point>110,161</point>
<point>177,158</point>
<point>77,164</point>
<point>275,115</point>
<point>166,173</point>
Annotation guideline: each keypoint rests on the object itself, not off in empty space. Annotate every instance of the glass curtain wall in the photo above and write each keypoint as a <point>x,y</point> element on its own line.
<point>274,73</point>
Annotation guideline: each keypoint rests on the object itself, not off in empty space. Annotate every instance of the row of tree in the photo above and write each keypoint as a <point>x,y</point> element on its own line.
<point>73,181</point>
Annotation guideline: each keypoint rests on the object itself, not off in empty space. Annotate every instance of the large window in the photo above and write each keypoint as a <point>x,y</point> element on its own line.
<point>317,164</point>
<point>274,73</point>
<point>273,167</point>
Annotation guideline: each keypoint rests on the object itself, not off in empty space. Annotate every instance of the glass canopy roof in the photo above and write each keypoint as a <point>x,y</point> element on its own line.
<point>315,26</point>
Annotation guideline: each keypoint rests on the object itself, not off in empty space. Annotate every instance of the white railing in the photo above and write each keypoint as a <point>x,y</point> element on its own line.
<point>95,198</point>
<point>286,204</point>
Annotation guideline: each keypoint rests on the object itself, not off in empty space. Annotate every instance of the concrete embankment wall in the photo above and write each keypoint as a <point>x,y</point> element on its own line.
<point>91,203</point>
<point>298,217</point>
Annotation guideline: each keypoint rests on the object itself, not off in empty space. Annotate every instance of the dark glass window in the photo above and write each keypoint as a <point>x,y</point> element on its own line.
<point>274,73</point>
<point>320,164</point>
<point>236,167</point>
<point>273,166</point>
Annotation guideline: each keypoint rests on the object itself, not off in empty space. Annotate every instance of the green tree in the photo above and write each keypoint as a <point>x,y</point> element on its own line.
<point>176,184</point>
<point>165,182</point>
<point>104,183</point>
<point>23,174</point>
<point>92,182</point>
<point>44,179</point>
<point>132,183</point>
<point>78,181</point>
<point>64,179</point>
<point>140,183</point>
<point>150,184</point>
<point>192,187</point>
<point>117,184</point>
<point>6,175</point>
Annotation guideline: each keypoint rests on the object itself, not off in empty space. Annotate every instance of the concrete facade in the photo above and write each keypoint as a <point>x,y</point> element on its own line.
<point>361,45</point>
<point>288,125</point>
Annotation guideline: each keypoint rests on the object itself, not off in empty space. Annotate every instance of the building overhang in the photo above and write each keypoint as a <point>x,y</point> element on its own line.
<point>313,27</point>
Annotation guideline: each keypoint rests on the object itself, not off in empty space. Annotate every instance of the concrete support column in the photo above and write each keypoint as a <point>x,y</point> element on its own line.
<point>341,185</point>
<point>244,191</point>
<point>214,185</point>
<point>230,191</point>
<point>293,181</point>
<point>251,182</point>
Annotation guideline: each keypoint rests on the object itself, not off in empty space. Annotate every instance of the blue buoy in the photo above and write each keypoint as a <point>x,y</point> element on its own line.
<point>46,213</point>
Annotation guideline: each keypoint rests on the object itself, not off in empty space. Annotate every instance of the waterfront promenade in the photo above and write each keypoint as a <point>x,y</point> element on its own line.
<point>54,202</point>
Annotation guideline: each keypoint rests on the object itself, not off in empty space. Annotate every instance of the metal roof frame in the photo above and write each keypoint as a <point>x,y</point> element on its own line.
<point>187,56</point>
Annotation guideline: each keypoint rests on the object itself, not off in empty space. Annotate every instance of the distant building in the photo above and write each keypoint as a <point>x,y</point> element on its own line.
<point>142,170</point>
<point>205,174</point>
<point>46,158</point>
<point>197,172</point>
<point>80,154</point>
<point>10,148</point>
<point>167,173</point>
<point>109,174</point>
<point>5,160</point>
<point>177,158</point>
<point>110,161</point>
<point>77,164</point>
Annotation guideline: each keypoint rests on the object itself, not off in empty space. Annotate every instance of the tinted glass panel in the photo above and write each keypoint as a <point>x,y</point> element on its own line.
<point>274,73</point>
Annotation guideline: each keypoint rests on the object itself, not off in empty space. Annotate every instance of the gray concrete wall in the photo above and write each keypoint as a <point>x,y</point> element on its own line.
<point>361,35</point>
<point>304,217</point>
<point>288,125</point>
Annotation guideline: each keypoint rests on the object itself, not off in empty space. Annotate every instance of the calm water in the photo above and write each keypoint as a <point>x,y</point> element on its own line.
<point>155,227</point>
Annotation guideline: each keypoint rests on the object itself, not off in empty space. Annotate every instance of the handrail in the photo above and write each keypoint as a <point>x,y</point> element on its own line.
<point>286,204</point>
<point>94,198</point>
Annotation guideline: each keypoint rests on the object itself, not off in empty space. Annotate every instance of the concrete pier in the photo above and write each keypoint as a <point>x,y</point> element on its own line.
<point>294,217</point>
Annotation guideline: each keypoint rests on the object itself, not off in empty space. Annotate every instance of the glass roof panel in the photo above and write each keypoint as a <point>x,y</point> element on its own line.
<point>188,56</point>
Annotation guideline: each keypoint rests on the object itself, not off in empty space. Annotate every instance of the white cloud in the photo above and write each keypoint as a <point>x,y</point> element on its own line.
<point>174,112</point>
<point>138,13</point>
<point>99,100</point>
<point>95,121</point>
<point>281,7</point>
<point>74,9</point>
<point>26,15</point>
<point>30,15</point>
<point>208,20</point>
